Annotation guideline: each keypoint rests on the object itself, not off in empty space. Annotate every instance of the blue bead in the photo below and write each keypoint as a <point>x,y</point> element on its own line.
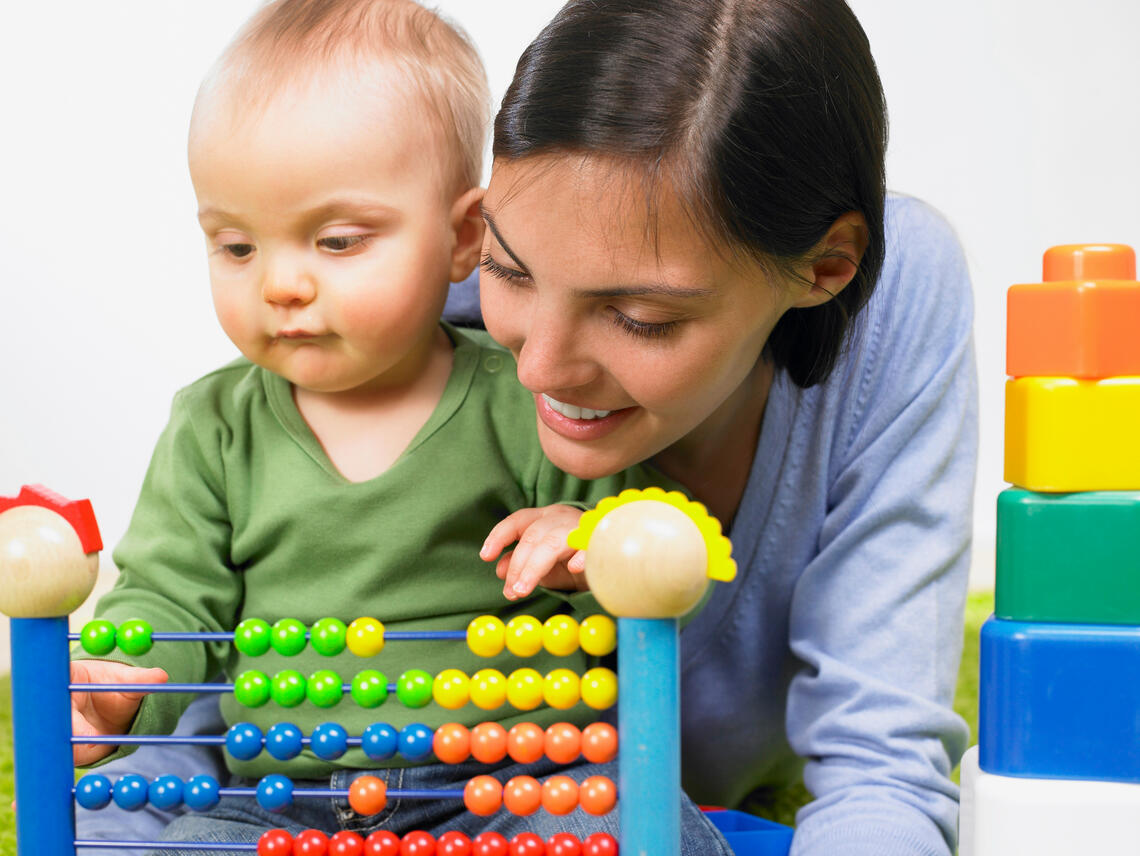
<point>275,792</point>
<point>415,741</point>
<point>130,792</point>
<point>165,792</point>
<point>329,741</point>
<point>283,741</point>
<point>243,741</point>
<point>201,793</point>
<point>379,741</point>
<point>93,791</point>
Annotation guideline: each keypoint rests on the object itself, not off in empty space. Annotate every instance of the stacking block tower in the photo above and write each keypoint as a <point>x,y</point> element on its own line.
<point>1057,766</point>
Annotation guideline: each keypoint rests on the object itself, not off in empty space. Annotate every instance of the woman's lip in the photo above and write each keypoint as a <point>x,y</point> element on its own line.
<point>579,429</point>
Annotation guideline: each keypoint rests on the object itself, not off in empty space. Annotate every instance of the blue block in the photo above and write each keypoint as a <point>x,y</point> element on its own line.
<point>1060,701</point>
<point>752,836</point>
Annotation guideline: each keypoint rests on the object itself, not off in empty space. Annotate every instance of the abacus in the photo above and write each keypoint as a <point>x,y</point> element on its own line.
<point>650,556</point>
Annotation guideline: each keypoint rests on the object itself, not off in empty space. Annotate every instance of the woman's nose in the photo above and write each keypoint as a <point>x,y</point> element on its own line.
<point>552,356</point>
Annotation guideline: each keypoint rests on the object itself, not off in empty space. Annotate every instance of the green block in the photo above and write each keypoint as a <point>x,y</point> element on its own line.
<point>1069,557</point>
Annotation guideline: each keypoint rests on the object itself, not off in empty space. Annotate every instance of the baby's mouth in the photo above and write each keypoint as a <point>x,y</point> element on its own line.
<point>572,411</point>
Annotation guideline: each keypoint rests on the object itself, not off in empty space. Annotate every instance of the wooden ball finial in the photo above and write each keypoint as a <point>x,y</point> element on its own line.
<point>45,570</point>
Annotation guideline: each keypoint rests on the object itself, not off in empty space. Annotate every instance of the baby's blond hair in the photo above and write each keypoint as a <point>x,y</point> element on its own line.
<point>288,39</point>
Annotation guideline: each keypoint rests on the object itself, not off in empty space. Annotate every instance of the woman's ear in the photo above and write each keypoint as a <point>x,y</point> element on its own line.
<point>836,259</point>
<point>467,226</point>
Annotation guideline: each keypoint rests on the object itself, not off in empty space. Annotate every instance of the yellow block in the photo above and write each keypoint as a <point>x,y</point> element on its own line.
<point>1063,434</point>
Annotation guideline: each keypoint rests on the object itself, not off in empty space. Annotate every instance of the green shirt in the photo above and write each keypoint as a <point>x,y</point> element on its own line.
<point>243,515</point>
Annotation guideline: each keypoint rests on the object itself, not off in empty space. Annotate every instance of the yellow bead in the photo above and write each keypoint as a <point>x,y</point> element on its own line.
<point>599,688</point>
<point>488,689</point>
<point>450,689</point>
<point>597,635</point>
<point>365,637</point>
<point>560,689</point>
<point>486,636</point>
<point>524,636</point>
<point>524,689</point>
<point>560,635</point>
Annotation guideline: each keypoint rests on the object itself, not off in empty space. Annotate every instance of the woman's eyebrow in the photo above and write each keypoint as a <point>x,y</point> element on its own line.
<point>490,221</point>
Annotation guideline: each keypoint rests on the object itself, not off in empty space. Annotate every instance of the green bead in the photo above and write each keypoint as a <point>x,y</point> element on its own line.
<point>328,636</point>
<point>413,688</point>
<point>288,688</point>
<point>288,637</point>
<point>324,688</point>
<point>133,637</point>
<point>370,688</point>
<point>98,637</point>
<point>252,637</point>
<point>251,689</point>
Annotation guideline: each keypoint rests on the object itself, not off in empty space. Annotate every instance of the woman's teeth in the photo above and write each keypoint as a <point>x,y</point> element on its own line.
<point>572,412</point>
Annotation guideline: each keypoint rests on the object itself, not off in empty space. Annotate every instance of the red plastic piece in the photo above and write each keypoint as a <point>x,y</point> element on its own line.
<point>600,844</point>
<point>346,843</point>
<point>527,844</point>
<point>489,844</point>
<point>382,842</point>
<point>77,512</point>
<point>417,843</point>
<point>563,844</point>
<point>453,844</point>
<point>311,842</point>
<point>275,842</point>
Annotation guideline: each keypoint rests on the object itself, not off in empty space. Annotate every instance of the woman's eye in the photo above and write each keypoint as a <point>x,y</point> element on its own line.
<point>237,251</point>
<point>501,272</point>
<point>644,329</point>
<point>342,243</point>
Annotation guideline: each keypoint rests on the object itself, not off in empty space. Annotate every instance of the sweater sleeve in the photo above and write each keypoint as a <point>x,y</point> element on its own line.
<point>173,562</point>
<point>876,618</point>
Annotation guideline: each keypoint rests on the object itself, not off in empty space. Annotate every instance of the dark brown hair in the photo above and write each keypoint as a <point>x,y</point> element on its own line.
<point>766,116</point>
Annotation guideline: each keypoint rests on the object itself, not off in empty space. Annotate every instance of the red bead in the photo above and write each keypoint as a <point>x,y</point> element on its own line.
<point>346,843</point>
<point>417,843</point>
<point>311,842</point>
<point>275,842</point>
<point>563,844</point>
<point>489,844</point>
<point>527,844</point>
<point>453,844</point>
<point>382,843</point>
<point>599,844</point>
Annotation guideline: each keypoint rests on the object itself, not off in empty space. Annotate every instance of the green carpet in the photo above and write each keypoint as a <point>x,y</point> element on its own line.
<point>778,805</point>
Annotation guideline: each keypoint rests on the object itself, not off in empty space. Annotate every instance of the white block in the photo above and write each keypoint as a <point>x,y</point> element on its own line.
<point>1008,816</point>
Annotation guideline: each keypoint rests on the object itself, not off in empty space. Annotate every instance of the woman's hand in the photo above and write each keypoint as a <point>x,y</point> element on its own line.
<point>105,712</point>
<point>541,556</point>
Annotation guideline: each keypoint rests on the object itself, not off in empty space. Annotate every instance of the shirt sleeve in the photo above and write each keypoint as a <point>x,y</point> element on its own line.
<point>876,618</point>
<point>173,564</point>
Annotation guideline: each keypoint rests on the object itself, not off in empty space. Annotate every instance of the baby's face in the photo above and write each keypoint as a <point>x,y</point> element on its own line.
<point>328,232</point>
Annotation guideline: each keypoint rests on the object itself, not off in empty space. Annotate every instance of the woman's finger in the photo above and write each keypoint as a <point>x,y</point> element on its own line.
<point>507,531</point>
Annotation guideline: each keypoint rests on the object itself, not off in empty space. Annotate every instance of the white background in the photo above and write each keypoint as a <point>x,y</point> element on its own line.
<point>1017,119</point>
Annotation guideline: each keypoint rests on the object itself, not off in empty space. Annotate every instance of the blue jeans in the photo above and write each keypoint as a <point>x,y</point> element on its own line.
<point>243,820</point>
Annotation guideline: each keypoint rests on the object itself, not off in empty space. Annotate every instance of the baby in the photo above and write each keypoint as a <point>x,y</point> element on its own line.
<point>354,460</point>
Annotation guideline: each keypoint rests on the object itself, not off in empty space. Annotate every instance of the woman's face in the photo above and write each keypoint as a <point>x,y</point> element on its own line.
<point>633,333</point>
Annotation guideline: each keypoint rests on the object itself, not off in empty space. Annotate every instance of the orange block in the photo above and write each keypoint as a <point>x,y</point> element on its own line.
<point>1083,321</point>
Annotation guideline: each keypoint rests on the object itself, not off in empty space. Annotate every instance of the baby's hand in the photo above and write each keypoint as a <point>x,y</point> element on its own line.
<point>541,555</point>
<point>105,713</point>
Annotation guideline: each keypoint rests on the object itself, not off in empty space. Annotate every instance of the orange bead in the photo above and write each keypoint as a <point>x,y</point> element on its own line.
<point>488,742</point>
<point>452,743</point>
<point>368,795</point>
<point>597,795</point>
<point>599,742</point>
<point>563,742</point>
<point>522,795</point>
<point>526,742</point>
<point>483,795</point>
<point>559,795</point>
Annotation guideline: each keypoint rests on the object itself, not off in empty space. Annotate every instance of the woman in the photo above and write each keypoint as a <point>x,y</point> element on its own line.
<point>686,225</point>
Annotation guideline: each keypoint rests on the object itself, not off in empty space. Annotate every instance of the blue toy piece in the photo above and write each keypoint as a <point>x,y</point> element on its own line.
<point>283,741</point>
<point>275,792</point>
<point>201,793</point>
<point>1060,701</point>
<point>93,791</point>
<point>749,835</point>
<point>379,741</point>
<point>243,741</point>
<point>165,792</point>
<point>415,741</point>
<point>130,792</point>
<point>329,741</point>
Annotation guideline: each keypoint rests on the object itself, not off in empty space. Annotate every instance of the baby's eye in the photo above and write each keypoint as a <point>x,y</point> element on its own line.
<point>237,251</point>
<point>342,243</point>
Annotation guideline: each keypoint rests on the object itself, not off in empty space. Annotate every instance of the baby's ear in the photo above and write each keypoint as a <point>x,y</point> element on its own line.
<point>837,259</point>
<point>467,226</point>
